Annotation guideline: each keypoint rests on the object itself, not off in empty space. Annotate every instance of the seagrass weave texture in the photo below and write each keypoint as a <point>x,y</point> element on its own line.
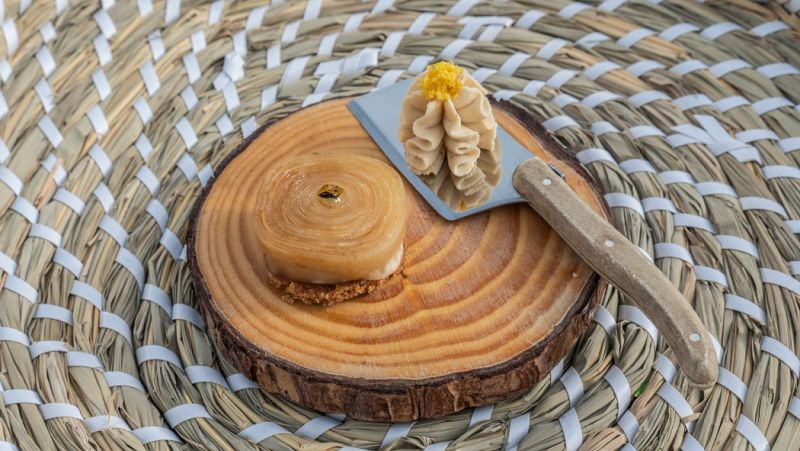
<point>114,115</point>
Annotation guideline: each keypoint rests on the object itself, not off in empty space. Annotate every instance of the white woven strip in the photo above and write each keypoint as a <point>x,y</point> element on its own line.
<point>686,67</point>
<point>102,422</point>
<point>599,97</point>
<point>760,203</point>
<point>755,134</point>
<point>73,202</point>
<point>518,428</point>
<point>779,351</point>
<point>744,306</point>
<point>21,287</point>
<point>239,381</point>
<point>764,106</point>
<point>790,144</point>
<point>462,7</point>
<point>122,379</point>
<point>149,434</point>
<point>21,396</point>
<point>420,22</point>
<point>556,372</point>
<point>724,68</point>
<point>794,407</point>
<point>589,156</point>
<point>205,374</point>
<point>690,443</point>
<point>114,322</point>
<point>454,48</point>
<point>88,293</point>
<point>691,101</point>
<point>752,433</point>
<point>171,243</point>
<point>10,180</point>
<point>38,348</point>
<point>479,414</point>
<point>185,412</point>
<point>46,233</point>
<point>572,9</point>
<point>317,426</point>
<point>675,400</point>
<point>768,28</point>
<point>8,446</point>
<point>693,221</point>
<point>605,319</point>
<point>629,425</point>
<point>636,316</point>
<point>114,229</point>
<point>571,428</point>
<point>590,40</point>
<point>145,148</point>
<point>732,382</point>
<point>129,261</point>
<point>772,172</point>
<point>529,18</point>
<point>631,38</point>
<point>644,131</point>
<point>513,63</point>
<point>573,385</point>
<point>619,385</point>
<point>45,94</point>
<point>622,200</point>
<point>50,131</point>
<point>549,50</point>
<point>395,432</point>
<point>53,312</point>
<point>665,368</point>
<point>715,31</point>
<point>7,264</point>
<point>148,179</point>
<point>159,353</point>
<point>441,446</point>
<point>672,250</point>
<point>259,432</point>
<point>780,279</point>
<point>159,213</point>
<point>60,410</point>
<point>730,242</point>
<point>9,334</point>
<point>83,360</point>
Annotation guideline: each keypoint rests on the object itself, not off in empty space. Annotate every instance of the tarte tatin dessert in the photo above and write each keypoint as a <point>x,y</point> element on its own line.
<point>331,225</point>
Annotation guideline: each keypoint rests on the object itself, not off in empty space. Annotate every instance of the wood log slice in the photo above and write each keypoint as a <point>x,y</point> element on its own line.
<point>483,309</point>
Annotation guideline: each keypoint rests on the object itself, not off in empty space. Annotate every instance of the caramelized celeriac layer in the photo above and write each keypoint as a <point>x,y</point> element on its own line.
<point>331,218</point>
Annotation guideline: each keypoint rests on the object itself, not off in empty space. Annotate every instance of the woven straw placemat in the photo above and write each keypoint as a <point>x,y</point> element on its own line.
<point>116,114</point>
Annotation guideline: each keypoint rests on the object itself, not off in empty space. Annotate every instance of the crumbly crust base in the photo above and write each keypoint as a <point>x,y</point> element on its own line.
<point>325,294</point>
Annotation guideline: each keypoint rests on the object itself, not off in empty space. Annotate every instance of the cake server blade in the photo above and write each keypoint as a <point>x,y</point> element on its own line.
<point>526,178</point>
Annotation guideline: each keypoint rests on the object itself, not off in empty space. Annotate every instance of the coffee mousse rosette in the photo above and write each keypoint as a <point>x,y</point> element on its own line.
<point>449,134</point>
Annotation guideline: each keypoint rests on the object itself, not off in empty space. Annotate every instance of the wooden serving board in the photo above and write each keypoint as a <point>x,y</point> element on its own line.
<point>483,309</point>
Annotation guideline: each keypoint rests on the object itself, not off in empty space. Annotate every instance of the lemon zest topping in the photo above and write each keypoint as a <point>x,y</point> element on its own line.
<point>441,81</point>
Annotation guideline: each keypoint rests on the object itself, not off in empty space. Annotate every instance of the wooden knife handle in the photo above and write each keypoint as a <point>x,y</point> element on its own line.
<point>610,254</point>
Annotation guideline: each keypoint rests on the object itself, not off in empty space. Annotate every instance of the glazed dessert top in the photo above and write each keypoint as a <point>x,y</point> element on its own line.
<point>327,218</point>
<point>449,135</point>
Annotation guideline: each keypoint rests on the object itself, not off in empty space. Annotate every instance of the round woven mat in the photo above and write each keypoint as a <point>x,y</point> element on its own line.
<point>115,115</point>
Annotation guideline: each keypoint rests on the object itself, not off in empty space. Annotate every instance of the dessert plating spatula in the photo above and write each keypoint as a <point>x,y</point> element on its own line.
<point>526,178</point>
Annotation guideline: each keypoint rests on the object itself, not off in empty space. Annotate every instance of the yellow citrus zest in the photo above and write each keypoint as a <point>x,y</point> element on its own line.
<point>441,81</point>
